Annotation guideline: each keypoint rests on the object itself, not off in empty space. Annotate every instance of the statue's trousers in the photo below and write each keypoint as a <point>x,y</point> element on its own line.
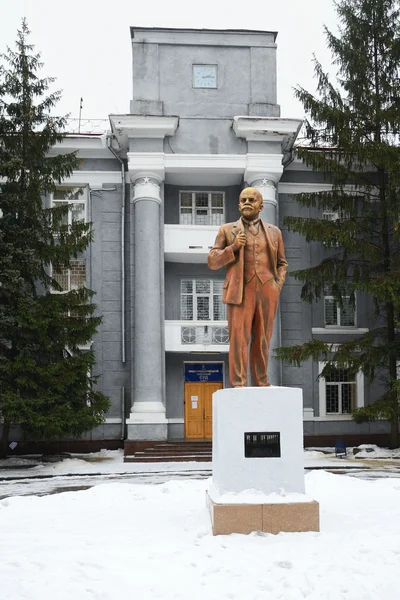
<point>251,323</point>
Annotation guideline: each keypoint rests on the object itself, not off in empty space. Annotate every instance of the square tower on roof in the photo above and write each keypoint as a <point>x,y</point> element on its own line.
<point>204,72</point>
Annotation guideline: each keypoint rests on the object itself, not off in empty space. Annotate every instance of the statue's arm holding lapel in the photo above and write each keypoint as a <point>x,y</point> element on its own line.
<point>221,254</point>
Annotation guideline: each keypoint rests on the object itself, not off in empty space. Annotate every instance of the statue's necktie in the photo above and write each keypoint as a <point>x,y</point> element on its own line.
<point>253,229</point>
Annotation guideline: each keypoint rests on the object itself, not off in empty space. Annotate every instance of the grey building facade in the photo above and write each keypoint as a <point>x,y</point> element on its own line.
<point>203,124</point>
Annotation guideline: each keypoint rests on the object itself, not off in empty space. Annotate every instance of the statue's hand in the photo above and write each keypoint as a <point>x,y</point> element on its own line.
<point>239,241</point>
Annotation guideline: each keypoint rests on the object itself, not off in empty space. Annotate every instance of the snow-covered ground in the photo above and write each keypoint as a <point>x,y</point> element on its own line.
<point>148,542</point>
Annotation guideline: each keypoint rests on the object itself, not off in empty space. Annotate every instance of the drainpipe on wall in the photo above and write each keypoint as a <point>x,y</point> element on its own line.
<point>123,413</point>
<point>123,354</point>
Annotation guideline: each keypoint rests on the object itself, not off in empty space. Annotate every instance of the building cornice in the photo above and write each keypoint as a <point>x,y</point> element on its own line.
<point>293,187</point>
<point>85,146</point>
<point>215,162</point>
<point>268,129</point>
<point>126,127</point>
<point>227,169</point>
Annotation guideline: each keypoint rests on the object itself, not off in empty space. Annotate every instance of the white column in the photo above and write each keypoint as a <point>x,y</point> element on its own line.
<point>147,419</point>
<point>267,189</point>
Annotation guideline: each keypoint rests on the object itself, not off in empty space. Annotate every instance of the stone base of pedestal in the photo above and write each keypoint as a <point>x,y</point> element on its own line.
<point>269,518</point>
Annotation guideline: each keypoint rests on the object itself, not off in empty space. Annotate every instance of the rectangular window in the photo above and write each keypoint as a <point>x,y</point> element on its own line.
<point>72,278</point>
<point>201,208</point>
<point>340,393</point>
<point>340,390</point>
<point>201,300</point>
<point>342,215</point>
<point>76,198</point>
<point>339,316</point>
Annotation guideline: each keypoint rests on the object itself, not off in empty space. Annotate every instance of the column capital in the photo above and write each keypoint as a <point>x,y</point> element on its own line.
<point>146,187</point>
<point>267,189</point>
<point>263,167</point>
<point>146,164</point>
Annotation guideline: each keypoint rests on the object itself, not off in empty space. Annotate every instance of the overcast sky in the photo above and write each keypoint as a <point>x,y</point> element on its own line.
<point>85,44</point>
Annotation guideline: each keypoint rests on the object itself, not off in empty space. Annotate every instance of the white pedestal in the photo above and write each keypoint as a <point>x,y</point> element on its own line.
<point>265,410</point>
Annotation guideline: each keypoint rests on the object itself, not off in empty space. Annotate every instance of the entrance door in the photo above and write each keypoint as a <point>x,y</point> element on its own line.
<point>198,408</point>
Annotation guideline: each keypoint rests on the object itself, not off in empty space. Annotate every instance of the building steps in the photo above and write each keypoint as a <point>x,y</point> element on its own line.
<point>142,452</point>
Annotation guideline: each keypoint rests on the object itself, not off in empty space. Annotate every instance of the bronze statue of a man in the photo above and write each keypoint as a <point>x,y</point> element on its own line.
<point>253,253</point>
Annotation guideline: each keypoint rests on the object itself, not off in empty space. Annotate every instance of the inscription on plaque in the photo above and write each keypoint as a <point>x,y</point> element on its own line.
<point>265,444</point>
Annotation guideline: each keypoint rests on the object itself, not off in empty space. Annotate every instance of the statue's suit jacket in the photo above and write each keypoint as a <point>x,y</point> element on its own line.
<point>222,255</point>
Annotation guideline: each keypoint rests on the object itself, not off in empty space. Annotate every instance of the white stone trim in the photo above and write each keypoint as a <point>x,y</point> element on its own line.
<point>146,126</point>
<point>307,188</point>
<point>176,163</point>
<point>339,330</point>
<point>92,178</point>
<point>266,129</point>
<point>303,188</point>
<point>87,146</point>
<point>253,166</point>
<point>308,413</point>
<point>116,420</point>
<point>147,413</point>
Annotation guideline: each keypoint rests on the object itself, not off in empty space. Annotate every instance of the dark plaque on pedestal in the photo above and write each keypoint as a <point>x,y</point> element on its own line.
<point>265,444</point>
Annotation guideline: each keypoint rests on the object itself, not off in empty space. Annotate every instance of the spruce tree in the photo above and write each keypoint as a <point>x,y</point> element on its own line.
<point>353,132</point>
<point>45,383</point>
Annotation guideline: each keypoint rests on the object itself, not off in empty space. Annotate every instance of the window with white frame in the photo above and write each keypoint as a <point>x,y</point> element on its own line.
<point>76,198</point>
<point>201,208</point>
<point>201,300</point>
<point>340,392</point>
<point>339,315</point>
<point>329,215</point>
<point>72,278</point>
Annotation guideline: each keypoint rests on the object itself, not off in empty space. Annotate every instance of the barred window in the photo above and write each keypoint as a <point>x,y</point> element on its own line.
<point>337,315</point>
<point>201,208</point>
<point>77,200</point>
<point>72,278</point>
<point>340,388</point>
<point>201,300</point>
<point>329,215</point>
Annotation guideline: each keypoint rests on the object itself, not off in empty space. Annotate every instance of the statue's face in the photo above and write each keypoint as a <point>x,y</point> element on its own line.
<point>250,204</point>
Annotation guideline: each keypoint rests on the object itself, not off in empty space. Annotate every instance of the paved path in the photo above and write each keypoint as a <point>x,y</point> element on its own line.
<point>41,485</point>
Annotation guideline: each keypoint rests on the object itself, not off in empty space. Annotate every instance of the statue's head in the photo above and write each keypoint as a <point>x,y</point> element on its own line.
<point>250,203</point>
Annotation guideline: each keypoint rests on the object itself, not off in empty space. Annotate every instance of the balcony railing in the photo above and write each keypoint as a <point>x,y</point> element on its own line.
<point>205,334</point>
<point>196,335</point>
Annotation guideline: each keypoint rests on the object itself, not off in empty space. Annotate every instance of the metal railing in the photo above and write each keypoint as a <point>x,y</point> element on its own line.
<point>88,126</point>
<point>204,334</point>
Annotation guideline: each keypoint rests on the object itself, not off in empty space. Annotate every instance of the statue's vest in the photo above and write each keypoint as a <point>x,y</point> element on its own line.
<point>257,257</point>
